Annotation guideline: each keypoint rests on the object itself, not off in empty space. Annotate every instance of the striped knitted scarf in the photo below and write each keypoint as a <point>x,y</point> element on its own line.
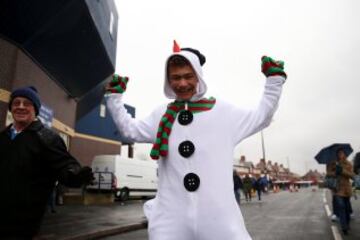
<point>160,147</point>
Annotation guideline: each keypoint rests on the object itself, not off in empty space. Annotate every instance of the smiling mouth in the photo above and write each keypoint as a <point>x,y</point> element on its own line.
<point>184,91</point>
<point>20,114</point>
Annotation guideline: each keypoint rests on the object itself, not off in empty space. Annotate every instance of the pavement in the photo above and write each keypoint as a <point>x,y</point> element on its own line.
<point>78,222</point>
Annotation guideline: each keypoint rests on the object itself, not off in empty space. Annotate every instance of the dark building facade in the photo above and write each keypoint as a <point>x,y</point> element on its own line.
<point>66,49</point>
<point>96,132</point>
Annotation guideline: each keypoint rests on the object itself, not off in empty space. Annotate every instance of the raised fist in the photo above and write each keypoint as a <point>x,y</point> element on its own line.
<point>270,67</point>
<point>117,84</point>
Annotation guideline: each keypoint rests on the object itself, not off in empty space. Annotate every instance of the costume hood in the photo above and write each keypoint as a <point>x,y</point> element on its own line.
<point>194,60</point>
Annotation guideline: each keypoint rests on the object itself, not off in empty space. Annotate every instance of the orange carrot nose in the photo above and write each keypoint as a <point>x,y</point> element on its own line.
<point>176,47</point>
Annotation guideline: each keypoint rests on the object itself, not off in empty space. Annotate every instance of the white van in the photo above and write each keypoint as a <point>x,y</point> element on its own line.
<point>126,177</point>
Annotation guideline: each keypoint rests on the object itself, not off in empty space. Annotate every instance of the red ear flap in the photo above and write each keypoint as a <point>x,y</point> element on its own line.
<point>176,47</point>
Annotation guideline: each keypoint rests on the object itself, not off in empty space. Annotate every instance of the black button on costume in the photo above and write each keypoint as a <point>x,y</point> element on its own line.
<point>186,149</point>
<point>185,117</point>
<point>191,182</point>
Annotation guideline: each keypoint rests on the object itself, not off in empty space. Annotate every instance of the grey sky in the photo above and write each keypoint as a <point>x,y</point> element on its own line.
<point>319,40</point>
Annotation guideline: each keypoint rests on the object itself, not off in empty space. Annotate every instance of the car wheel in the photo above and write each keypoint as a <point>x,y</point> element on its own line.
<point>122,194</point>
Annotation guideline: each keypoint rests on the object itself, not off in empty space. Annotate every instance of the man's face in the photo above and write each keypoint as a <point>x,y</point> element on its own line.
<point>341,155</point>
<point>23,111</point>
<point>183,81</point>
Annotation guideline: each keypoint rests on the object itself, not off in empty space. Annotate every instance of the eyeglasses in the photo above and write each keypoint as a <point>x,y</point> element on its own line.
<point>25,103</point>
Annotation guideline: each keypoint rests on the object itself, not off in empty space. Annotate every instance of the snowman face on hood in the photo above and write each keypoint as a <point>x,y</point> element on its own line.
<point>184,82</point>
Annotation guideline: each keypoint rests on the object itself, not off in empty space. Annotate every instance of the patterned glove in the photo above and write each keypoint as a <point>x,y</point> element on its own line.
<point>270,67</point>
<point>338,170</point>
<point>117,84</point>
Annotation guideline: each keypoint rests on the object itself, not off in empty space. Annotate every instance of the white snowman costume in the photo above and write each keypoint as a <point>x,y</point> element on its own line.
<point>210,212</point>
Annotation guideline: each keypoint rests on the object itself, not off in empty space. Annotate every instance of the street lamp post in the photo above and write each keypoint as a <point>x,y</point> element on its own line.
<point>263,145</point>
<point>288,163</point>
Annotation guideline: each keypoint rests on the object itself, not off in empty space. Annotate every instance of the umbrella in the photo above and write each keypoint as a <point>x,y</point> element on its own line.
<point>328,153</point>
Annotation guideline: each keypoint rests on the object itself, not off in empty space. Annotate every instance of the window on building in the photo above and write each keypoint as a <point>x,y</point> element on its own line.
<point>102,110</point>
<point>111,24</point>
<point>66,139</point>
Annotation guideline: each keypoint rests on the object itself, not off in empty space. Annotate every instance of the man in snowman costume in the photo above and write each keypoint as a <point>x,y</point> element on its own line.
<point>193,139</point>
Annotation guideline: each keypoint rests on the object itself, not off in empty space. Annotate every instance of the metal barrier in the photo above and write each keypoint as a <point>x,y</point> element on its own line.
<point>103,181</point>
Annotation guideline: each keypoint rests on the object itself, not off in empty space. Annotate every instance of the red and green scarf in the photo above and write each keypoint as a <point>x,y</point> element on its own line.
<point>160,147</point>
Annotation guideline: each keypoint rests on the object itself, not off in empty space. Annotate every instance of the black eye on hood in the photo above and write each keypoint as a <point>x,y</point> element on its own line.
<point>201,57</point>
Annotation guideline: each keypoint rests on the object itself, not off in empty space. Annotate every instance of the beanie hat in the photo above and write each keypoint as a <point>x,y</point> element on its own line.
<point>30,93</point>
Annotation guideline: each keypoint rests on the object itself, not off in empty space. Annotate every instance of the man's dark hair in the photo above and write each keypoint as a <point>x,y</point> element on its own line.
<point>178,61</point>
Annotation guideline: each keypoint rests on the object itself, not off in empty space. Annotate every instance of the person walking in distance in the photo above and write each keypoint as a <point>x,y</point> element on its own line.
<point>342,170</point>
<point>237,186</point>
<point>247,186</point>
<point>259,186</point>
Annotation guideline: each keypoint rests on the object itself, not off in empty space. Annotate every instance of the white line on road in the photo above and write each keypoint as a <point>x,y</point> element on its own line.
<point>334,229</point>
<point>328,212</point>
<point>336,233</point>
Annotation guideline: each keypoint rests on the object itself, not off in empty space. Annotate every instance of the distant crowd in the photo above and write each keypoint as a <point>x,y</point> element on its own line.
<point>249,185</point>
